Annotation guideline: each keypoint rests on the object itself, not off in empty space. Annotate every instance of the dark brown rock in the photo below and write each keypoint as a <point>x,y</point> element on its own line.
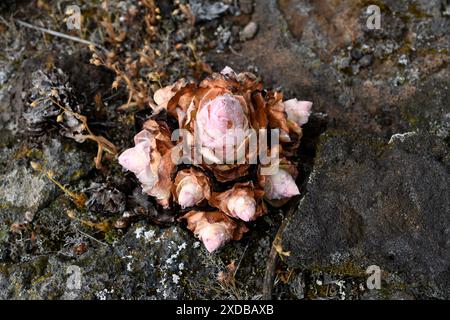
<point>372,203</point>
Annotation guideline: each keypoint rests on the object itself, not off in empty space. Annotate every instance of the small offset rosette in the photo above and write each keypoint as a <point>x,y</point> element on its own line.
<point>150,160</point>
<point>228,129</point>
<point>218,114</point>
<point>191,188</point>
<point>214,228</point>
<point>242,201</point>
<point>279,182</point>
<point>287,116</point>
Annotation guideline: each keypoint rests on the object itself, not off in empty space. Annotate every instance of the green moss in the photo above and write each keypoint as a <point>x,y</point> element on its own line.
<point>373,142</point>
<point>110,236</point>
<point>68,147</point>
<point>5,205</point>
<point>26,153</point>
<point>422,52</point>
<point>78,174</point>
<point>417,13</point>
<point>383,7</point>
<point>41,279</point>
<point>4,269</point>
<point>346,269</point>
<point>316,64</point>
<point>3,232</point>
<point>412,120</point>
<point>386,291</point>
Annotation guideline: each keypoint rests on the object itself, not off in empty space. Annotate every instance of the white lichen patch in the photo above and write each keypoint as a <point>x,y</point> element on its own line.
<point>403,60</point>
<point>103,295</point>
<point>182,246</point>
<point>139,232</point>
<point>339,257</point>
<point>171,269</point>
<point>148,235</point>
<point>176,254</point>
<point>175,278</point>
<point>129,263</point>
<point>22,188</point>
<point>341,285</point>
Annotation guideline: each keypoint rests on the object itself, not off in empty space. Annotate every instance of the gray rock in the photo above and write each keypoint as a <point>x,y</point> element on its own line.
<point>147,263</point>
<point>368,201</point>
<point>246,6</point>
<point>27,195</point>
<point>297,286</point>
<point>249,31</point>
<point>371,203</point>
<point>205,10</point>
<point>22,187</point>
<point>366,61</point>
<point>66,160</point>
<point>428,108</point>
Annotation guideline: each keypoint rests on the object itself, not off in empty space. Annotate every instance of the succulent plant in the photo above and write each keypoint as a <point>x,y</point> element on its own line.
<point>220,118</point>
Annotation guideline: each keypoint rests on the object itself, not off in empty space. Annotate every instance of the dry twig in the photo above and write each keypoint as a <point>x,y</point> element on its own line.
<point>275,252</point>
<point>60,35</point>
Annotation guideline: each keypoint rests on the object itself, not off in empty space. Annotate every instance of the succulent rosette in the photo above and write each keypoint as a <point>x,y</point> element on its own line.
<point>221,118</point>
<point>191,188</point>
<point>219,115</point>
<point>279,186</point>
<point>288,116</point>
<point>214,228</point>
<point>150,160</point>
<point>242,201</point>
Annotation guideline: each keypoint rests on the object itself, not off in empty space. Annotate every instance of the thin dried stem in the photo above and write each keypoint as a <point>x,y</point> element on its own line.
<point>78,198</point>
<point>103,143</point>
<point>274,255</point>
<point>60,35</point>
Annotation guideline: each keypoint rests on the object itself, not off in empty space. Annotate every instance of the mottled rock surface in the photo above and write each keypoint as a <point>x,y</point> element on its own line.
<point>374,185</point>
<point>374,203</point>
<point>390,200</point>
